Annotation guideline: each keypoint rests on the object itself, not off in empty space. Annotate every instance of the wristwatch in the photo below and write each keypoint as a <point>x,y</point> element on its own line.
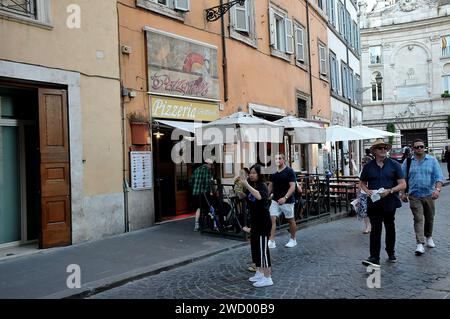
<point>285,197</point>
<point>391,191</point>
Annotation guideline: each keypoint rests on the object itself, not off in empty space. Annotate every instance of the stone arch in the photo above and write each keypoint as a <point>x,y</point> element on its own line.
<point>415,43</point>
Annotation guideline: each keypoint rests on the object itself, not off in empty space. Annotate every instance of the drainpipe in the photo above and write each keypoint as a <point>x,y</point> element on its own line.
<point>349,143</point>
<point>124,138</point>
<point>310,74</point>
<point>309,54</point>
<point>224,57</point>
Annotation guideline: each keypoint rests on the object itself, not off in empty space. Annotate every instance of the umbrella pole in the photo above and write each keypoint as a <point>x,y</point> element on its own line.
<point>337,161</point>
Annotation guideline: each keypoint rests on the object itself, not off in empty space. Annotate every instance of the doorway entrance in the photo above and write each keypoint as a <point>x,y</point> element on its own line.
<point>408,136</point>
<point>172,192</point>
<point>34,166</point>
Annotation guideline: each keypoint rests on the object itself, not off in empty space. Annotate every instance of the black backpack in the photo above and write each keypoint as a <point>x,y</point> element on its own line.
<point>408,166</point>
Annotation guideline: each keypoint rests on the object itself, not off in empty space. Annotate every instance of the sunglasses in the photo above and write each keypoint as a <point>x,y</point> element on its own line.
<point>381,148</point>
<point>418,147</point>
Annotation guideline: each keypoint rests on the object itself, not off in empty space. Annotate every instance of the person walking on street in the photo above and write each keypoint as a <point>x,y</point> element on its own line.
<point>201,184</point>
<point>257,197</point>
<point>282,186</point>
<point>424,179</point>
<point>447,159</point>
<point>382,179</point>
<point>361,207</point>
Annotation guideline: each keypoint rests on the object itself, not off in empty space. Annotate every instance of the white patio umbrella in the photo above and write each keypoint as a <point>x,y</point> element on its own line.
<point>337,133</point>
<point>237,127</point>
<point>304,132</point>
<point>367,129</point>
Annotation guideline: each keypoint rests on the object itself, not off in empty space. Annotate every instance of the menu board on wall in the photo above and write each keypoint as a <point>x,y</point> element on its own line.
<point>141,170</point>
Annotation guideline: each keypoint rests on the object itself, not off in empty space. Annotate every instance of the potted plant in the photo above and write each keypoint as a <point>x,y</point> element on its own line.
<point>390,127</point>
<point>139,128</point>
<point>445,94</point>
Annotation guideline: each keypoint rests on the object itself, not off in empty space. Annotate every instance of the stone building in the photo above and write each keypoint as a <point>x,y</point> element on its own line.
<point>406,69</point>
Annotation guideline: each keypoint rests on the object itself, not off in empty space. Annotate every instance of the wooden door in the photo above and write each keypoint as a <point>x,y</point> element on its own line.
<point>55,169</point>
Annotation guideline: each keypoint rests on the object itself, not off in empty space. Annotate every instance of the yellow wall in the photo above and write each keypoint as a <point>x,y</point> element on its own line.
<point>102,136</point>
<point>76,50</point>
<point>61,47</point>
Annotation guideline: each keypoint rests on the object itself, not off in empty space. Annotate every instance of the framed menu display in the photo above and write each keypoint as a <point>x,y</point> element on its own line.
<point>141,170</point>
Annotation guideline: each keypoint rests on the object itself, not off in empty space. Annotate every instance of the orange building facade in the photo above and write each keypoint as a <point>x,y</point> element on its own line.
<point>268,58</point>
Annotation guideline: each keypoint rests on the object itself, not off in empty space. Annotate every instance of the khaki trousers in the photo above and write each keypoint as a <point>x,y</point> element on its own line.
<point>423,212</point>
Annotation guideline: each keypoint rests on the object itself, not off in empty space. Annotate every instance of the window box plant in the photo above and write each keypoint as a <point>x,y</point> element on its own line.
<point>445,94</point>
<point>139,128</point>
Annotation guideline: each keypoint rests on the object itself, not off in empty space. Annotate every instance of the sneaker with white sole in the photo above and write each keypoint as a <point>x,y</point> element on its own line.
<point>257,277</point>
<point>291,243</point>
<point>272,244</point>
<point>264,282</point>
<point>420,250</point>
<point>430,242</point>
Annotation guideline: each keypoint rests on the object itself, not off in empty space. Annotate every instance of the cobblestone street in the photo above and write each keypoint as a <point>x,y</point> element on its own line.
<point>325,264</point>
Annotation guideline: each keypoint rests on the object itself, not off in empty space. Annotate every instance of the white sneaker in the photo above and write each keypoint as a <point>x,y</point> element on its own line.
<point>272,244</point>
<point>291,243</point>
<point>419,250</point>
<point>264,282</point>
<point>257,277</point>
<point>430,242</point>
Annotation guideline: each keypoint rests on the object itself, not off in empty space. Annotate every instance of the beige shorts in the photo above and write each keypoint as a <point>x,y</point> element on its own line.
<point>286,209</point>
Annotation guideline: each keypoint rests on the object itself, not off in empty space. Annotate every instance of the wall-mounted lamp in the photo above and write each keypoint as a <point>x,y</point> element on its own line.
<point>158,134</point>
<point>214,13</point>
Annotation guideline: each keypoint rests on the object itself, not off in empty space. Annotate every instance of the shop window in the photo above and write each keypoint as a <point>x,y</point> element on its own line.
<point>228,161</point>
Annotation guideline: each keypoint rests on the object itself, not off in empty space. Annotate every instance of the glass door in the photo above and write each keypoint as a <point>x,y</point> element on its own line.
<point>10,200</point>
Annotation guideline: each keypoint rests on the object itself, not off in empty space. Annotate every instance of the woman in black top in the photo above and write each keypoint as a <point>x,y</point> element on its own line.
<point>261,224</point>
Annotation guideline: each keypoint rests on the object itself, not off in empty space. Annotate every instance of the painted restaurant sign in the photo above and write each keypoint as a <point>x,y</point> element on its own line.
<point>181,67</point>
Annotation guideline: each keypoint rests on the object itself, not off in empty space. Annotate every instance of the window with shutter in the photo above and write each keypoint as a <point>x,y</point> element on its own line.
<point>289,36</point>
<point>182,5</point>
<point>241,17</point>
<point>323,60</point>
<point>344,79</point>
<point>341,17</point>
<point>350,84</point>
<point>299,44</point>
<point>272,28</point>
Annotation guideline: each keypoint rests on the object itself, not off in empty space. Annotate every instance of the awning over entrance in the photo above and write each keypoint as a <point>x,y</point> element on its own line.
<point>184,126</point>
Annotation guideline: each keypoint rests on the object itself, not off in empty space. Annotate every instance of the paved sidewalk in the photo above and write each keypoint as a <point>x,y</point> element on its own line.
<point>108,262</point>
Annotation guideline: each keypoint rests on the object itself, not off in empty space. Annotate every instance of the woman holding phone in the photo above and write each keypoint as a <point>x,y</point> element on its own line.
<point>257,200</point>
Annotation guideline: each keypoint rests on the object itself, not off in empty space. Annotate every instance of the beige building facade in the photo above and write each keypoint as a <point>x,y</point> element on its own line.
<point>60,122</point>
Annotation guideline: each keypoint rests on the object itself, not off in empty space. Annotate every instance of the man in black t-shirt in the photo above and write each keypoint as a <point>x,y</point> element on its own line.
<point>282,187</point>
